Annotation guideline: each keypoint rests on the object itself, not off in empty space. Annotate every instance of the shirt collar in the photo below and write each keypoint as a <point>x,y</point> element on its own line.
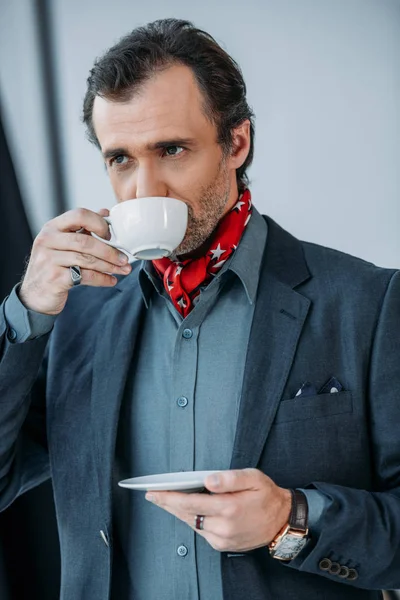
<point>245,261</point>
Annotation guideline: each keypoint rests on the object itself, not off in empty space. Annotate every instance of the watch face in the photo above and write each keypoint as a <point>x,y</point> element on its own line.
<point>289,546</point>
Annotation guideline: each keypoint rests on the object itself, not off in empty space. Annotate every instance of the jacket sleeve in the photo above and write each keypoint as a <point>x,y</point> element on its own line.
<point>23,447</point>
<point>360,529</point>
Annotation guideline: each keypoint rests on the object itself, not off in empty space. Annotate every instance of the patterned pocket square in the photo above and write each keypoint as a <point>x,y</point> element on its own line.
<point>332,386</point>
<point>307,389</point>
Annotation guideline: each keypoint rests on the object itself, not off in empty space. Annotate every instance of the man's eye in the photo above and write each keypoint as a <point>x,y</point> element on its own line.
<point>173,150</point>
<point>118,160</point>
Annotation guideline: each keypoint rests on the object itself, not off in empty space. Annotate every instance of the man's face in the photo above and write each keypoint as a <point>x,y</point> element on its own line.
<point>161,144</point>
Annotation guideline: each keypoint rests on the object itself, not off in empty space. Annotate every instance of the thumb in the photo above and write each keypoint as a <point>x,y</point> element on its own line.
<point>233,481</point>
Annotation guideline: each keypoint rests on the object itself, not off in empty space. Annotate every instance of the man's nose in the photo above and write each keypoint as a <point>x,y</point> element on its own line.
<point>148,183</point>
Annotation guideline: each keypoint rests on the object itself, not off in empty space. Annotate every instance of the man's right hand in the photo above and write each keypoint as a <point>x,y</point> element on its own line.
<point>57,247</point>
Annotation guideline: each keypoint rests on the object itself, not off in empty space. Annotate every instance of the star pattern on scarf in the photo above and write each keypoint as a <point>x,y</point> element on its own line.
<point>238,205</point>
<point>219,264</point>
<point>181,302</point>
<point>217,253</point>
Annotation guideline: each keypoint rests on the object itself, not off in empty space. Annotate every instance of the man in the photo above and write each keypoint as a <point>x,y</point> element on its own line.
<point>246,351</point>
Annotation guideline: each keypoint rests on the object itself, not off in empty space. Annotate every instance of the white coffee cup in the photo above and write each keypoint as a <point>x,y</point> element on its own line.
<point>147,228</point>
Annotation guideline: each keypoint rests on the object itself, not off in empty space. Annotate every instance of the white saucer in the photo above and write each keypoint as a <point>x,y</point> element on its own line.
<point>184,481</point>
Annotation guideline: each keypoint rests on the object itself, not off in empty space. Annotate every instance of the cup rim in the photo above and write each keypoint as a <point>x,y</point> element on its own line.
<point>168,198</point>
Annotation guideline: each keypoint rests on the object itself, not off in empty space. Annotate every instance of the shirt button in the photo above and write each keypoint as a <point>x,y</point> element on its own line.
<point>182,550</point>
<point>182,401</point>
<point>187,334</point>
<point>12,335</point>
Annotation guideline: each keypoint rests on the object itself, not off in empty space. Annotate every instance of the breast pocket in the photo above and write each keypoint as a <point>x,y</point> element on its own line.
<point>314,407</point>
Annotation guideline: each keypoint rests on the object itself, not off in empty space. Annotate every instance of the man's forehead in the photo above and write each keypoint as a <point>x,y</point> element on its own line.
<point>123,129</point>
<point>169,104</point>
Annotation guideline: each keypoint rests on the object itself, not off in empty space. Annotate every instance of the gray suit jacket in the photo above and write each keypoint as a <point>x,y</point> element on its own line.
<point>318,313</point>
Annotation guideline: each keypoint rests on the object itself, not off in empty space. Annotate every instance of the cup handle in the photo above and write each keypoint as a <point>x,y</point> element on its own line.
<point>113,244</point>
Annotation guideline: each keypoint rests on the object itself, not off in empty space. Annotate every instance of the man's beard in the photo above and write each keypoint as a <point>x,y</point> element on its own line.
<point>213,200</point>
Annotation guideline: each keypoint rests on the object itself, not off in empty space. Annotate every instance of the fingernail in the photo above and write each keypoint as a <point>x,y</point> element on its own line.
<point>122,258</point>
<point>150,497</point>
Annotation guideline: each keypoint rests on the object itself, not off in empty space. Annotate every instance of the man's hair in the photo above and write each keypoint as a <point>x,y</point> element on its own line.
<point>149,49</point>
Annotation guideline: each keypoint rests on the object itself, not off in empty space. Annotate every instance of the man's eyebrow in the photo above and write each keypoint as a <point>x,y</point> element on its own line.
<point>113,152</point>
<point>171,142</point>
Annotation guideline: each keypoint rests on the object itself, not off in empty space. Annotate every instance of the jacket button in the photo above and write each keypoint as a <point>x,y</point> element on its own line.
<point>344,572</point>
<point>334,568</point>
<point>325,564</point>
<point>353,574</point>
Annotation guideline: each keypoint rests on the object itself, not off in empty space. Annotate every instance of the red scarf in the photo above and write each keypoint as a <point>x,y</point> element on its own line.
<point>182,279</point>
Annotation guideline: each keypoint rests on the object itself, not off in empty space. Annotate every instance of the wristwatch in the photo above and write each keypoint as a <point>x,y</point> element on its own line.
<point>292,538</point>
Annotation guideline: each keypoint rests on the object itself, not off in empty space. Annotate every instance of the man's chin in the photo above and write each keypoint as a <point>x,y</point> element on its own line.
<point>184,251</point>
<point>181,254</point>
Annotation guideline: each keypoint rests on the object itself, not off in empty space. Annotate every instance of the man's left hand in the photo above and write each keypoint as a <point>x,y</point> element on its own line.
<point>245,509</point>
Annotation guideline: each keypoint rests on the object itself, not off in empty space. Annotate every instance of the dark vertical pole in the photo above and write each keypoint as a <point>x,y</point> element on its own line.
<point>48,69</point>
<point>29,547</point>
<point>16,236</point>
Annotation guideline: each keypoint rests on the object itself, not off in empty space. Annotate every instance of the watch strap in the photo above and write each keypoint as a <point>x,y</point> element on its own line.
<point>296,530</point>
<point>298,518</point>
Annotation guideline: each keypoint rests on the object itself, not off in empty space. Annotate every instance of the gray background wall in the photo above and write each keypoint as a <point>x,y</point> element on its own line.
<point>323,78</point>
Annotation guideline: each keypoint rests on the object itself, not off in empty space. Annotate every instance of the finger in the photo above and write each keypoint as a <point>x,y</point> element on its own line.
<point>88,261</point>
<point>215,526</point>
<point>186,506</point>
<point>79,218</point>
<point>90,278</point>
<point>234,481</point>
<point>103,212</point>
<point>80,243</point>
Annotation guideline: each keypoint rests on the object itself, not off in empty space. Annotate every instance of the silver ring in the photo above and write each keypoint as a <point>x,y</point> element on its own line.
<point>199,522</point>
<point>76,275</point>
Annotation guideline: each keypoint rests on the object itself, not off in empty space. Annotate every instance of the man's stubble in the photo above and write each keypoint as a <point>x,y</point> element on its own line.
<point>201,227</point>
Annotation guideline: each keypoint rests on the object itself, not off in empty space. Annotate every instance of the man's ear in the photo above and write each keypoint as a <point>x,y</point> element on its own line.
<point>240,144</point>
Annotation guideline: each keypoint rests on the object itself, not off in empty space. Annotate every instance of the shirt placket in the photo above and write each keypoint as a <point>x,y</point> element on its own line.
<point>182,451</point>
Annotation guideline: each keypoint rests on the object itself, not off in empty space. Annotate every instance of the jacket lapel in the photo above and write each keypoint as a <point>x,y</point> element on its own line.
<point>279,316</point>
<point>118,327</point>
